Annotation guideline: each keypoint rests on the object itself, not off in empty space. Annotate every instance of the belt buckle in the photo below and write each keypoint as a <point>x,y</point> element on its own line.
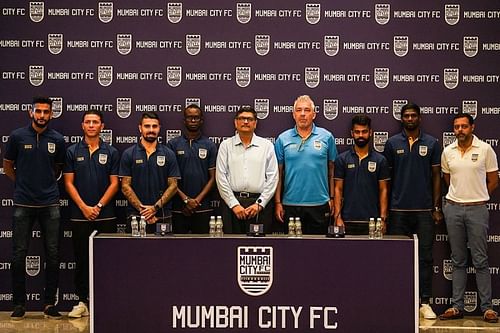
<point>244,195</point>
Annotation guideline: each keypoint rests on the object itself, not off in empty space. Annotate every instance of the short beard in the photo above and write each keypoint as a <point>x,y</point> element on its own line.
<point>40,125</point>
<point>149,139</point>
<point>361,142</point>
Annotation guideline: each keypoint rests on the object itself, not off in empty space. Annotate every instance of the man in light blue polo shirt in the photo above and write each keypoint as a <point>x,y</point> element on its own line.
<point>306,155</point>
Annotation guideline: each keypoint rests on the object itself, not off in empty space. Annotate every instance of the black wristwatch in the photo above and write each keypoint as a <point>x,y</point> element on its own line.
<point>157,207</point>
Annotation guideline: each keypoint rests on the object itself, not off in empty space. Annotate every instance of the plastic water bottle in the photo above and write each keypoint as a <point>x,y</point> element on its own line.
<point>291,227</point>
<point>298,227</point>
<point>378,228</point>
<point>219,232</point>
<point>142,227</point>
<point>211,225</point>
<point>371,228</point>
<point>135,227</point>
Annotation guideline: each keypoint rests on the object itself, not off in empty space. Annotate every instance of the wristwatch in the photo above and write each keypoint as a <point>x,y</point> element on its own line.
<point>186,200</point>
<point>157,207</point>
<point>99,205</point>
<point>437,209</point>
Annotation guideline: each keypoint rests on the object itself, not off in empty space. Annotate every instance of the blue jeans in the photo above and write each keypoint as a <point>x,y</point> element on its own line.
<point>22,224</point>
<point>422,224</point>
<point>468,228</point>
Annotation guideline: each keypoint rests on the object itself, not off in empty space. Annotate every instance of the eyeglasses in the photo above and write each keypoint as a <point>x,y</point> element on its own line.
<point>245,119</point>
<point>193,118</point>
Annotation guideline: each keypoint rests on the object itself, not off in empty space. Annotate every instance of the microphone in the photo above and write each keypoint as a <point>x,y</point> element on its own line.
<point>256,229</point>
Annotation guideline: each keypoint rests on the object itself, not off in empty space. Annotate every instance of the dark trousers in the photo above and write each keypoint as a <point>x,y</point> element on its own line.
<point>22,225</point>
<point>234,225</point>
<point>196,223</point>
<point>314,219</point>
<point>422,224</point>
<point>80,235</point>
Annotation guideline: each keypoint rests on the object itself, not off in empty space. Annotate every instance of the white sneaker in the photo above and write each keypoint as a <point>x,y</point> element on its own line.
<point>426,312</point>
<point>79,311</point>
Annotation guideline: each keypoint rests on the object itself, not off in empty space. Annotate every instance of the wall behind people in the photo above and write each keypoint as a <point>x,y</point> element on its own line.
<point>124,58</point>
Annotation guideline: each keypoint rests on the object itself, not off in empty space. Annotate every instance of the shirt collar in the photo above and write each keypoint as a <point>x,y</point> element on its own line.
<point>296,133</point>
<point>237,140</point>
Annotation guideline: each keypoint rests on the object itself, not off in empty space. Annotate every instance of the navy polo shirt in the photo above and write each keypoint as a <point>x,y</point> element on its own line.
<point>361,183</point>
<point>149,175</point>
<point>194,157</point>
<point>35,157</point>
<point>412,170</point>
<point>91,176</point>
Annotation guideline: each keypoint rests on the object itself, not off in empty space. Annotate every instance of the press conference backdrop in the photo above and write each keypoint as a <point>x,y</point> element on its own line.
<point>126,57</point>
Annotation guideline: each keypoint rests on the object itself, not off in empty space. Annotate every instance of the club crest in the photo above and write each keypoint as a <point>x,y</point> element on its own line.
<point>57,106</point>
<point>105,75</point>
<point>262,44</point>
<point>397,104</point>
<point>124,43</point>
<point>379,140</point>
<point>381,77</point>
<point>331,45</point>
<point>312,76</point>
<point>261,106</point>
<point>452,14</point>
<point>330,108</point>
<point>400,46</point>
<point>243,76</point>
<point>174,12</point>
<point>382,13</point>
<point>193,44</point>
<point>37,11</point>
<point>55,43</point>
<point>160,160</point>
<point>174,76</point>
<point>313,13</point>
<point>36,75</point>
<point>471,46</point>
<point>243,12</point>
<point>32,265</point>
<point>103,158</point>
<point>255,269</point>
<point>105,12</point>
<point>124,107</point>
<point>451,76</point>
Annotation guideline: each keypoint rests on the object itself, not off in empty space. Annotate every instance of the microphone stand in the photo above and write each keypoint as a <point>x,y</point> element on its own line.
<point>256,229</point>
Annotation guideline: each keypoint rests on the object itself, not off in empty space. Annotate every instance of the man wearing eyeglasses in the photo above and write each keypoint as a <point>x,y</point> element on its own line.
<point>306,155</point>
<point>196,156</point>
<point>247,175</point>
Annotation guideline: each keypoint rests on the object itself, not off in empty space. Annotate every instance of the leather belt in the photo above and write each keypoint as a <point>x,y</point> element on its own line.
<point>464,204</point>
<point>246,195</point>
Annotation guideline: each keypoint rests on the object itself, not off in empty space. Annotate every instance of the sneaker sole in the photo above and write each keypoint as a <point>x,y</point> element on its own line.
<point>52,317</point>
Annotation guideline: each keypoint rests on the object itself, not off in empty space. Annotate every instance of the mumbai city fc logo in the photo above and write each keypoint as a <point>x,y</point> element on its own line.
<point>262,44</point>
<point>452,14</point>
<point>124,107</point>
<point>172,134</point>
<point>36,75</point>
<point>106,136</point>
<point>470,301</point>
<point>331,45</point>
<point>313,13</point>
<point>330,108</point>
<point>57,106</point>
<point>243,12</point>
<point>311,76</point>
<point>470,107</point>
<point>397,104</point>
<point>422,150</point>
<point>55,43</point>
<point>193,44</point>
<point>448,139</point>
<point>451,77</point>
<point>379,140</point>
<point>51,147</point>
<point>174,76</point>
<point>37,11</point>
<point>372,166</point>
<point>255,269</point>
<point>447,269</point>
<point>193,100</point>
<point>261,106</point>
<point>105,75</point>
<point>382,13</point>
<point>32,265</point>
<point>243,76</point>
<point>400,46</point>
<point>381,76</point>
<point>174,12</point>
<point>103,158</point>
<point>160,161</point>
<point>124,43</point>
<point>105,12</point>
<point>202,153</point>
<point>471,46</point>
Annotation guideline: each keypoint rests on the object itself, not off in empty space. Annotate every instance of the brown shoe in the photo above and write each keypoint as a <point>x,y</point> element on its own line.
<point>490,316</point>
<point>452,313</point>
